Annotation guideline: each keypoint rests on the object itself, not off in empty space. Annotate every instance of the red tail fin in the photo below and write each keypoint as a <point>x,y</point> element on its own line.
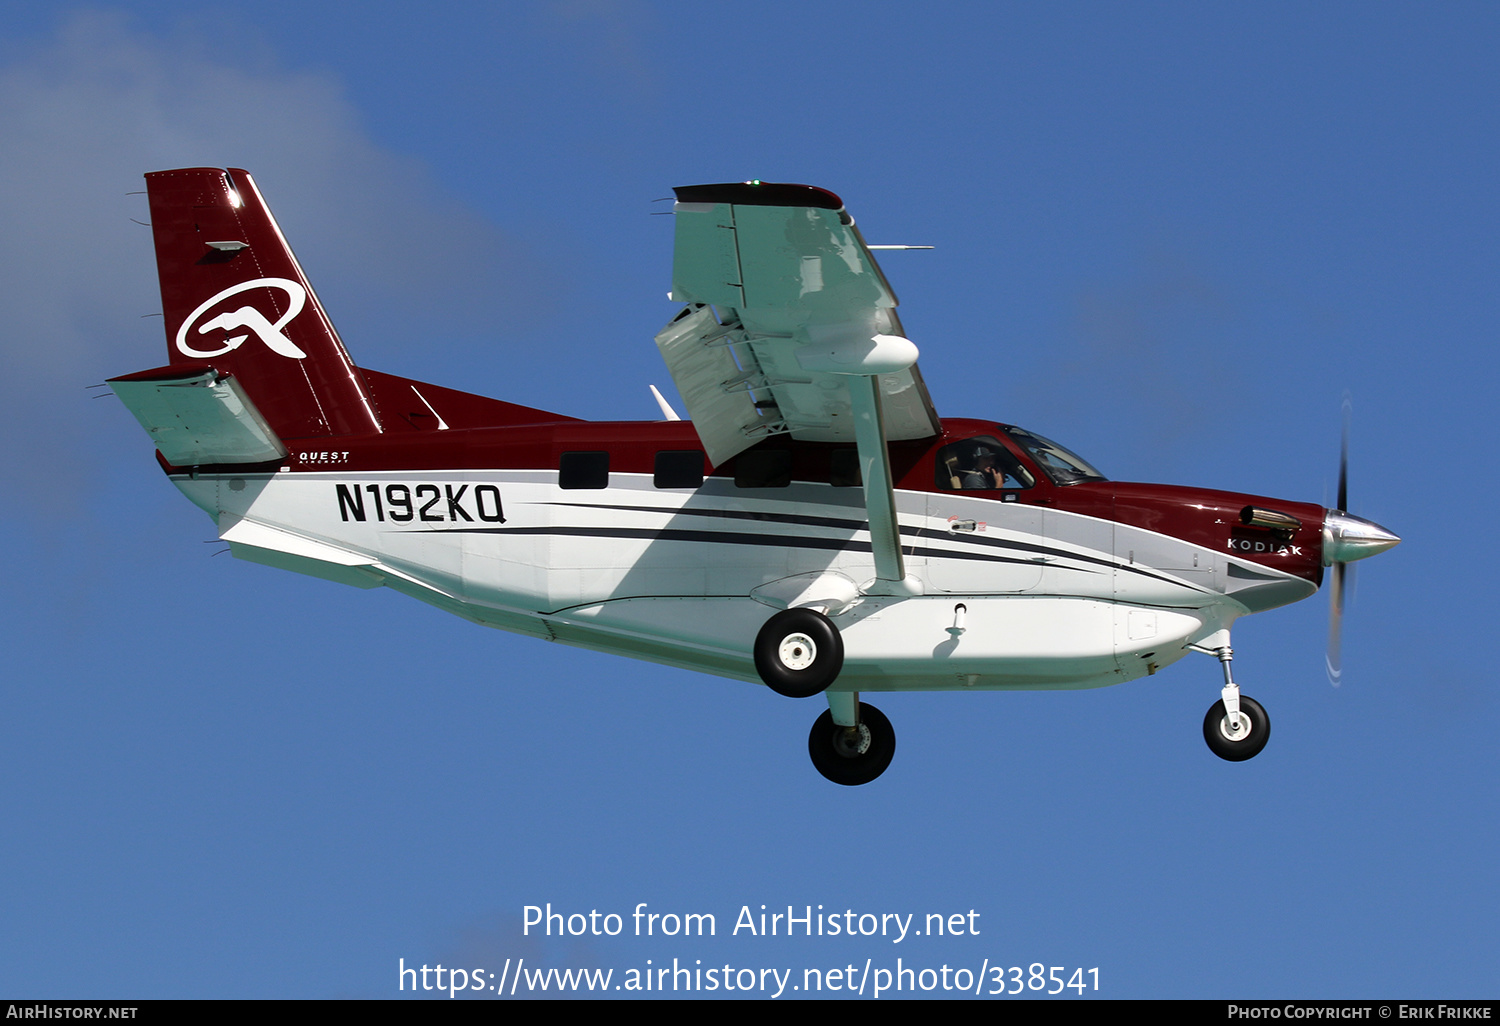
<point>235,298</point>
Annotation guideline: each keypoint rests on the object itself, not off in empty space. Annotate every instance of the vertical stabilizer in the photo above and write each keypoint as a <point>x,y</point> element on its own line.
<point>235,299</point>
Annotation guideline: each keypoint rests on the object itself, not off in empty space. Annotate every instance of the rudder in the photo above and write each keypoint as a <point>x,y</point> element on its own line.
<point>235,299</point>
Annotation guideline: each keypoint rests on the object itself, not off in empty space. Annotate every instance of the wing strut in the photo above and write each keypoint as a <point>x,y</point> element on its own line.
<point>880,492</point>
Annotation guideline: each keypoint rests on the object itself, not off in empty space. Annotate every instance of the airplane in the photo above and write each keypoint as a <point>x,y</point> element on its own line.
<point>814,526</point>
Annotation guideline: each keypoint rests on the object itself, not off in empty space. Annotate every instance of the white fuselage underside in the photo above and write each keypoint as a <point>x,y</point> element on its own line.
<point>1051,599</point>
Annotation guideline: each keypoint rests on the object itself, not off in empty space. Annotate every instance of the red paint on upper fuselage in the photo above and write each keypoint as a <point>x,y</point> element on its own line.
<point>1200,516</point>
<point>517,437</point>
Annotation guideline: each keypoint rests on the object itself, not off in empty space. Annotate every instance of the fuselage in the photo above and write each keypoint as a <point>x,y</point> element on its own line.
<point>815,526</point>
<point>621,537</point>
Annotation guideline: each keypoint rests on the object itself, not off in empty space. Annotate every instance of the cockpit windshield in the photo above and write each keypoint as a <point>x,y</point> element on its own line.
<point>1061,465</point>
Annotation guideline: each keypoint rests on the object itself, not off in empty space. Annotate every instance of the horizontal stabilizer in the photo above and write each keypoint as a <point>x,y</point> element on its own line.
<point>198,417</point>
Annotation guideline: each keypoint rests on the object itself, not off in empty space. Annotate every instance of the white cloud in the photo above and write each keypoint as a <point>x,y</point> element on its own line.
<point>86,113</point>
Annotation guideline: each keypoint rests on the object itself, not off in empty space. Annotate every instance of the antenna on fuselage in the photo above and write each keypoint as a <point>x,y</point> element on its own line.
<point>666,409</point>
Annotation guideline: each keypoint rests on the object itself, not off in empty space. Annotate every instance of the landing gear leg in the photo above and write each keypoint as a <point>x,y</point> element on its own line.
<point>1231,694</point>
<point>1236,727</point>
<point>853,752</point>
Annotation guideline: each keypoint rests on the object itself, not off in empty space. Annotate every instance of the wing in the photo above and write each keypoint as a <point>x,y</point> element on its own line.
<point>791,328</point>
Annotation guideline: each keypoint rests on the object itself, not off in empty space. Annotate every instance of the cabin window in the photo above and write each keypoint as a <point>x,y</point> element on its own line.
<point>1063,466</point>
<point>980,464</point>
<point>843,469</point>
<point>763,468</point>
<point>583,470</point>
<point>682,469</point>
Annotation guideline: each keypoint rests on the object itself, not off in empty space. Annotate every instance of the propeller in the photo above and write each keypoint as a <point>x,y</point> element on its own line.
<point>1345,539</point>
<point>1334,657</point>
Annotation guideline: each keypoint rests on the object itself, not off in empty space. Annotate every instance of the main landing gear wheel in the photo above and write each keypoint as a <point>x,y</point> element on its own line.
<point>852,755</point>
<point>1240,744</point>
<point>798,653</point>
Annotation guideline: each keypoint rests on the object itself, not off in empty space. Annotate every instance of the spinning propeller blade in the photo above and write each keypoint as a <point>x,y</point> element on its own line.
<point>1345,539</point>
<point>1334,658</point>
<point>1344,458</point>
<point>1336,626</point>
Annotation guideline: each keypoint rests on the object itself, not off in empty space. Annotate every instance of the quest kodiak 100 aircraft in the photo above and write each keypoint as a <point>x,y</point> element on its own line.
<point>815,526</point>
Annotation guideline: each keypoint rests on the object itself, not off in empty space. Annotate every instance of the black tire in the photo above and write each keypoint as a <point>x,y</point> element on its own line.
<point>1225,747</point>
<point>852,758</point>
<point>798,653</point>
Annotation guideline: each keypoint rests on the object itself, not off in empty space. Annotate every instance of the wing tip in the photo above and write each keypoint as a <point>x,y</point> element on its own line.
<point>760,194</point>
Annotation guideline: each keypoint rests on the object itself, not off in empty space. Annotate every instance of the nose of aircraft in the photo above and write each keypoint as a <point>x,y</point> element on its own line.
<point>1347,537</point>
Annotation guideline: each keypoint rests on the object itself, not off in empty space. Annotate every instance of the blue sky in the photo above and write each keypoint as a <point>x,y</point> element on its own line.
<point>1169,235</point>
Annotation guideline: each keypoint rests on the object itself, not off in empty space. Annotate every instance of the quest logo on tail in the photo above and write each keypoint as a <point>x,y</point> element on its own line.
<point>247,317</point>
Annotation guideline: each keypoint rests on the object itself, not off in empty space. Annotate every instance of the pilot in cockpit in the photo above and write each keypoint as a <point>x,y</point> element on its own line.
<point>982,470</point>
<point>987,471</point>
<point>979,464</point>
<point>978,471</point>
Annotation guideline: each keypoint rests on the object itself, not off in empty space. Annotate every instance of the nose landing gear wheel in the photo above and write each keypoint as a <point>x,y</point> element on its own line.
<point>798,653</point>
<point>1237,744</point>
<point>852,755</point>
